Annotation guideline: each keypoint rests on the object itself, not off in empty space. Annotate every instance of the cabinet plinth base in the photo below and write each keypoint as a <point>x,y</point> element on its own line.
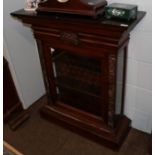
<point>87,125</point>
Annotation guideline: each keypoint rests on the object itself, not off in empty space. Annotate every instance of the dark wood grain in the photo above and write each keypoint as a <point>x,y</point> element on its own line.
<point>12,106</point>
<point>70,42</point>
<point>74,7</point>
<point>12,103</point>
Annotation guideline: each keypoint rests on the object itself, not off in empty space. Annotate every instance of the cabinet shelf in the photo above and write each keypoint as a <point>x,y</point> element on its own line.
<point>78,73</point>
<point>75,88</point>
<point>79,99</point>
<point>79,62</point>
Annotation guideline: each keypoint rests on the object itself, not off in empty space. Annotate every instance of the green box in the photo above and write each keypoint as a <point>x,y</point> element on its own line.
<point>121,11</point>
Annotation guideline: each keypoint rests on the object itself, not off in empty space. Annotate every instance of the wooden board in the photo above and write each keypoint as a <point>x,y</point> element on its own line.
<point>10,150</point>
<point>83,7</point>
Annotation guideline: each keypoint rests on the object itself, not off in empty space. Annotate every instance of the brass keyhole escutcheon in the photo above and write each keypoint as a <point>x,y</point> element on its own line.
<point>62,1</point>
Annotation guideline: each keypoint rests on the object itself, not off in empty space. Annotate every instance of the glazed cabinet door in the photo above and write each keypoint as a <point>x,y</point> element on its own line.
<point>76,80</point>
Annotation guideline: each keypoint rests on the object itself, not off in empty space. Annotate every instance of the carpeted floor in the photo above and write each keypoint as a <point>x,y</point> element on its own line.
<point>40,137</point>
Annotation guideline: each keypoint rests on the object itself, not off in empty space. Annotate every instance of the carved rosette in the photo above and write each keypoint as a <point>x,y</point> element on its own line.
<point>70,38</point>
<point>111,92</point>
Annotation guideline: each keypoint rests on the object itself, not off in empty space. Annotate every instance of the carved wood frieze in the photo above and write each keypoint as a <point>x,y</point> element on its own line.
<point>111,90</point>
<point>70,38</point>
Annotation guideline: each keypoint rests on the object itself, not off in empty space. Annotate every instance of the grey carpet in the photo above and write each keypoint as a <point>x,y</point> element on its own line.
<point>40,137</point>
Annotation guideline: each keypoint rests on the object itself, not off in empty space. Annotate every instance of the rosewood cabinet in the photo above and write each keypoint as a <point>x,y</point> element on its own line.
<point>84,66</point>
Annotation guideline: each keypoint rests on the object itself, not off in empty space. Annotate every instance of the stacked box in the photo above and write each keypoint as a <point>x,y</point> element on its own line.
<point>121,11</point>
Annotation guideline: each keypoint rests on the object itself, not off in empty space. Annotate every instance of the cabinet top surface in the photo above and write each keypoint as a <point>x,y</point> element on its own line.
<point>126,25</point>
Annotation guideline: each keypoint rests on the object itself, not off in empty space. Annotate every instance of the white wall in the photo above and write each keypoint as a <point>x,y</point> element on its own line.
<point>138,100</point>
<point>21,52</point>
<point>7,57</point>
<point>22,49</point>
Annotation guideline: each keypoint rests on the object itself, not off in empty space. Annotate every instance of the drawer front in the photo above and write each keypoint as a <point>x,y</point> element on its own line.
<point>96,45</point>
